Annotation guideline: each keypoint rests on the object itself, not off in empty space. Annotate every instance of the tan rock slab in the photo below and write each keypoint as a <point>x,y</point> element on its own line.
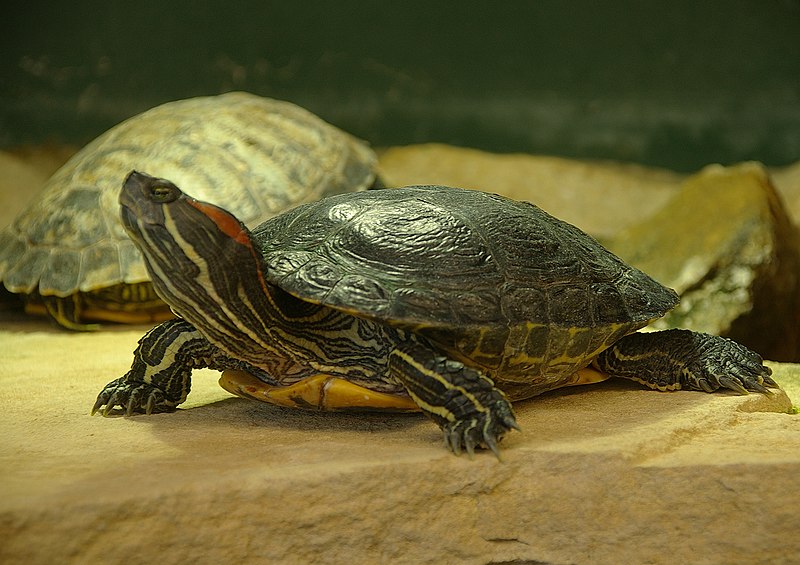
<point>608,473</point>
<point>787,180</point>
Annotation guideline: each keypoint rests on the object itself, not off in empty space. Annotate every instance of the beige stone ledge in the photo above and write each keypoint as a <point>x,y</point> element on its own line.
<point>607,473</point>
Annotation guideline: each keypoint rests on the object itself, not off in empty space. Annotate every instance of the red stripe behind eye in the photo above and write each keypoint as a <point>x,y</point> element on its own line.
<point>231,227</point>
<point>227,224</point>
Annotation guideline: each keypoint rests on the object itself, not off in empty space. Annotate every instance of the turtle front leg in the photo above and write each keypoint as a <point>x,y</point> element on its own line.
<point>160,376</point>
<point>686,360</point>
<point>467,406</point>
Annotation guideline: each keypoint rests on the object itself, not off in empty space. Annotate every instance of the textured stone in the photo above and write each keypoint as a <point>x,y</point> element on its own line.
<point>787,181</point>
<point>608,473</point>
<point>727,246</point>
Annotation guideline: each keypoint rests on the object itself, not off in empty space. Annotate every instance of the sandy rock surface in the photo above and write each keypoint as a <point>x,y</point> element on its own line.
<point>606,473</point>
<point>787,180</point>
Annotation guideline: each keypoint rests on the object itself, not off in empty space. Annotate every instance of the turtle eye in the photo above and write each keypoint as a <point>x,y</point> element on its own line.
<point>163,194</point>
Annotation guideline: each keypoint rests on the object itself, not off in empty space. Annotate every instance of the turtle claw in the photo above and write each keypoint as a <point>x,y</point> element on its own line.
<point>132,398</point>
<point>705,385</point>
<point>767,379</point>
<point>151,404</point>
<point>484,430</point>
<point>761,388</point>
<point>97,405</point>
<point>732,384</point>
<point>511,422</point>
<point>738,384</point>
<point>452,440</point>
<point>469,443</point>
<point>491,443</point>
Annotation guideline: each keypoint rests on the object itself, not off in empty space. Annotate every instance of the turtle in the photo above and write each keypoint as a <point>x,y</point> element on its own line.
<point>450,301</point>
<point>67,252</point>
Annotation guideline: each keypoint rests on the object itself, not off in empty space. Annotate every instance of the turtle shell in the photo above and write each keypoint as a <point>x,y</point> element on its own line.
<point>253,155</point>
<point>497,282</point>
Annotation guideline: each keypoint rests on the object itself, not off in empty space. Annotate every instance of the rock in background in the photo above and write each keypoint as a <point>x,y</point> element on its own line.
<point>787,181</point>
<point>599,197</point>
<point>726,245</point>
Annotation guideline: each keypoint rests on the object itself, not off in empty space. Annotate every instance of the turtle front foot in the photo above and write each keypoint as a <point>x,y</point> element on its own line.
<point>132,398</point>
<point>471,411</point>
<point>160,376</point>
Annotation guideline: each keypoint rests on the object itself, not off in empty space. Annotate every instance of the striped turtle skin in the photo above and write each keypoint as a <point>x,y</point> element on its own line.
<point>68,253</point>
<point>448,301</point>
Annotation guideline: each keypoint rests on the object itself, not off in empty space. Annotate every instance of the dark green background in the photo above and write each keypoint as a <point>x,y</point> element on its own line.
<point>678,84</point>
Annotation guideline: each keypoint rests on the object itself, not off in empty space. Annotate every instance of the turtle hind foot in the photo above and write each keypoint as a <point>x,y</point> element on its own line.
<point>687,360</point>
<point>63,312</point>
<point>722,363</point>
<point>131,398</point>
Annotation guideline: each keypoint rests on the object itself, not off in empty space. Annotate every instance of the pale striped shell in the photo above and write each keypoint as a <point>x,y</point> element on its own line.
<point>253,156</point>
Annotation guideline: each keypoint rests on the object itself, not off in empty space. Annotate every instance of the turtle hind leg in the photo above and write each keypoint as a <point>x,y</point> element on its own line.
<point>686,360</point>
<point>471,411</point>
<point>66,312</point>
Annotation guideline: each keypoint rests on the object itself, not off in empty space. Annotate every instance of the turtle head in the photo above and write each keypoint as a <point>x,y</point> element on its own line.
<point>157,214</point>
<point>199,256</point>
<point>142,199</point>
<point>163,221</point>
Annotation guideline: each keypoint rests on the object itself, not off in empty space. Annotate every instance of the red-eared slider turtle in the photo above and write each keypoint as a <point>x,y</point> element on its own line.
<point>450,301</point>
<point>68,252</point>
